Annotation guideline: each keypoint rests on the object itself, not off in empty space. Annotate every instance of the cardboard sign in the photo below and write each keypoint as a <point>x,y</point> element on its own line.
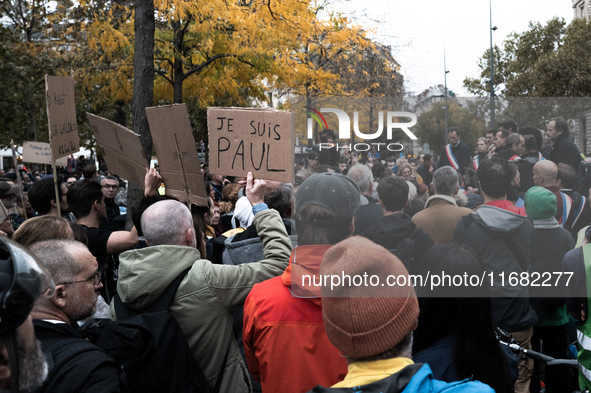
<point>61,116</point>
<point>243,140</point>
<point>177,155</point>
<point>122,149</point>
<point>40,153</point>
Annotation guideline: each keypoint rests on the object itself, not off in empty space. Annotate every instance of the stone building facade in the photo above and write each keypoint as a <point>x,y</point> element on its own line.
<point>581,8</point>
<point>581,126</point>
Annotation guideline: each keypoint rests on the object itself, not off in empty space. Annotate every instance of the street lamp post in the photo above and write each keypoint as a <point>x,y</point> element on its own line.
<point>492,85</point>
<point>445,94</point>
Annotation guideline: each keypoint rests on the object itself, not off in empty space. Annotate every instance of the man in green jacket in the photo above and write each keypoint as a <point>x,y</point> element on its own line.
<point>209,294</point>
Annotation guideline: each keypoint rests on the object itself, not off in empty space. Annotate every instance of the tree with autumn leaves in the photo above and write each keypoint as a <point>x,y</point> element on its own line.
<point>202,53</point>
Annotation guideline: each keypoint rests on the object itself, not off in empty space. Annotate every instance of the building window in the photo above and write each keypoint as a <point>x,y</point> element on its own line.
<point>582,11</point>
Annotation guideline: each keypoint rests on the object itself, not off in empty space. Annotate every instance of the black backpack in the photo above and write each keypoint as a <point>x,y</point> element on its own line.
<point>404,251</point>
<point>61,352</point>
<point>149,347</point>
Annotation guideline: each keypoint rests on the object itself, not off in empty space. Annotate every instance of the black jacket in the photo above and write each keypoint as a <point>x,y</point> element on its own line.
<point>390,230</point>
<point>549,248</point>
<point>423,171</point>
<point>113,214</point>
<point>505,153</point>
<point>89,371</point>
<point>576,290</point>
<point>565,151</point>
<point>462,153</point>
<point>582,212</point>
<point>492,232</point>
<point>367,214</point>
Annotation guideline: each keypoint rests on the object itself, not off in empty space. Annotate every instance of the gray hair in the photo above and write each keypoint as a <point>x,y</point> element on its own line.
<point>165,223</point>
<point>99,179</point>
<point>445,181</point>
<point>361,175</point>
<point>280,199</point>
<point>513,139</point>
<point>56,256</point>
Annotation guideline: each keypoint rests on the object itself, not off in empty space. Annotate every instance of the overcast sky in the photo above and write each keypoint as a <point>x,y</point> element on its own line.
<point>417,30</point>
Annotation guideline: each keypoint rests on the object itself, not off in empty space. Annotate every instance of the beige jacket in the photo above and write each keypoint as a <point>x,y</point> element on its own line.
<point>439,218</point>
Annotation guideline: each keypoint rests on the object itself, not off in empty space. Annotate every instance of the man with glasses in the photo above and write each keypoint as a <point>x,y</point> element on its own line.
<point>75,271</point>
<point>5,222</point>
<point>110,188</point>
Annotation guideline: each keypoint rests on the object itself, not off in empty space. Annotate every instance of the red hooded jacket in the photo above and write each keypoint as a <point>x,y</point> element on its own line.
<point>286,346</point>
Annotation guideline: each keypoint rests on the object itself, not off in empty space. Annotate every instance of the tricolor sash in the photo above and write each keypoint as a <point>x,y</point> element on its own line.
<point>515,157</point>
<point>541,156</point>
<point>567,204</point>
<point>476,163</point>
<point>451,158</point>
<point>579,210</point>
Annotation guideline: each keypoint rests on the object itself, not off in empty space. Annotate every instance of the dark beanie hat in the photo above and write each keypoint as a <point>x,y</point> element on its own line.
<point>366,320</point>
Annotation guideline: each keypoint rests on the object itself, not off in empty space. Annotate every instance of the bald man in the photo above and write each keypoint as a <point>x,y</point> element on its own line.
<point>546,175</point>
<point>209,294</point>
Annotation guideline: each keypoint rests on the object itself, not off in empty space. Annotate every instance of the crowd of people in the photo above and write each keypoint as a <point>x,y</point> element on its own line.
<point>236,266</point>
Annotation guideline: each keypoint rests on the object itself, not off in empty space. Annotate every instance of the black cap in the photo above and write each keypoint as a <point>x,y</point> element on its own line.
<point>7,189</point>
<point>333,191</point>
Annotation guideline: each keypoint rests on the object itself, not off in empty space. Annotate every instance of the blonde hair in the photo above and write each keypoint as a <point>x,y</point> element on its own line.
<point>402,167</point>
<point>483,139</point>
<point>42,228</point>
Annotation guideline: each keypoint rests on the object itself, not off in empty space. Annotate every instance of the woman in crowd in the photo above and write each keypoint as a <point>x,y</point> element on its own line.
<point>482,152</point>
<point>42,228</point>
<point>228,204</point>
<point>456,335</point>
<point>408,173</point>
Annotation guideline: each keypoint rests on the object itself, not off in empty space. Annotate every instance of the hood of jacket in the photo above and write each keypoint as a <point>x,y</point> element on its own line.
<point>547,223</point>
<point>391,229</point>
<point>247,247</point>
<point>144,274</point>
<point>305,260</point>
<point>243,212</point>
<point>497,221</point>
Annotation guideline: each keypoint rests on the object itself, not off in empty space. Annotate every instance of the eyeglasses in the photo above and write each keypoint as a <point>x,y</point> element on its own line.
<point>96,277</point>
<point>110,186</point>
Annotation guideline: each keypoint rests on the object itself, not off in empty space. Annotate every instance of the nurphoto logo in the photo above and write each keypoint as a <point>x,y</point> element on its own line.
<point>344,128</point>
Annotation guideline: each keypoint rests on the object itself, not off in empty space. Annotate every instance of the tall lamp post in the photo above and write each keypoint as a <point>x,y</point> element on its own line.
<point>445,95</point>
<point>492,85</point>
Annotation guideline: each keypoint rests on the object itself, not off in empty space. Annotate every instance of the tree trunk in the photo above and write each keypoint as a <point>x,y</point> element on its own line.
<point>178,73</point>
<point>177,84</point>
<point>143,71</point>
<point>31,110</point>
<point>143,87</point>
